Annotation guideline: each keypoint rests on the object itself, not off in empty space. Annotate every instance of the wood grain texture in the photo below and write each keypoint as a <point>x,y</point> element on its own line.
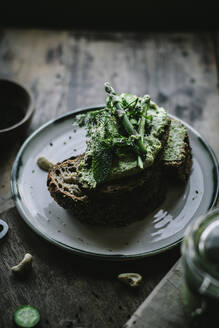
<point>66,70</point>
<point>164,306</point>
<point>70,291</point>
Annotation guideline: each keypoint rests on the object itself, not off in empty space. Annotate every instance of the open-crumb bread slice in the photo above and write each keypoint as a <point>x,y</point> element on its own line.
<point>128,199</point>
<point>115,203</point>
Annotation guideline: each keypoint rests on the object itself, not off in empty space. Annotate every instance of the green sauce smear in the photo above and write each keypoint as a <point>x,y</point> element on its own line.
<point>175,143</point>
<point>122,138</point>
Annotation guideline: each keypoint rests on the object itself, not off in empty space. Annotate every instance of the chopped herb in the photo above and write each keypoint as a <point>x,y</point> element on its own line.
<point>124,136</point>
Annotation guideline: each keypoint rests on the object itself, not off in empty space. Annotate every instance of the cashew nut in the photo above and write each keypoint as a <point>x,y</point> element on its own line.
<point>44,164</point>
<point>131,279</point>
<point>23,265</point>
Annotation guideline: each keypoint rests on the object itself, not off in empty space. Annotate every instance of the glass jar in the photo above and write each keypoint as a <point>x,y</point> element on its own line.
<point>200,256</point>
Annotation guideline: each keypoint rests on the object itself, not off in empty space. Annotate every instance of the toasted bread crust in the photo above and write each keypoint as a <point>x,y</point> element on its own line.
<point>119,206</point>
<point>57,189</point>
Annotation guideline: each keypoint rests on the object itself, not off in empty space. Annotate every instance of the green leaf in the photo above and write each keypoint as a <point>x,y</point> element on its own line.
<point>102,164</point>
<point>128,100</point>
<point>133,121</point>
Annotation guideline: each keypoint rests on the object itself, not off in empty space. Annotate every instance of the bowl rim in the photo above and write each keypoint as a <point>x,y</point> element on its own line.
<point>30,108</point>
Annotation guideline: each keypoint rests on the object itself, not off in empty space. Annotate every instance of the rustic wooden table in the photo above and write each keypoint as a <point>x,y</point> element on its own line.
<point>66,70</point>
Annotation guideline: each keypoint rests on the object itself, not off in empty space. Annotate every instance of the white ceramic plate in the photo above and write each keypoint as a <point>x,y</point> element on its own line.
<point>158,232</point>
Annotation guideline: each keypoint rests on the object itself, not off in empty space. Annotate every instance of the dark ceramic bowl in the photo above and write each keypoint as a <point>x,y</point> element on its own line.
<point>16,110</point>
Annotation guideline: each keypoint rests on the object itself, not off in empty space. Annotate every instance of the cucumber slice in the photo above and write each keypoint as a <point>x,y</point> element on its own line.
<point>26,316</point>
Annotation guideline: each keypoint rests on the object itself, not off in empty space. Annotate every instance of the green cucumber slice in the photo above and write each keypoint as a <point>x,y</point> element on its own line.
<point>26,316</point>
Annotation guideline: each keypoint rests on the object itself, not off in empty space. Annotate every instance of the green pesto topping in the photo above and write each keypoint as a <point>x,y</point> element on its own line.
<point>123,138</point>
<point>175,142</point>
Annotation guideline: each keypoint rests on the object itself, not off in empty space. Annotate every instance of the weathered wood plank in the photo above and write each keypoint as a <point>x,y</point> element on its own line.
<point>163,307</point>
<point>23,58</point>
<point>70,291</point>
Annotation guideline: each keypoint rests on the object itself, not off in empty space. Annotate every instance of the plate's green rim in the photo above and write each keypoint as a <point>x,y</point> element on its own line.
<point>119,257</point>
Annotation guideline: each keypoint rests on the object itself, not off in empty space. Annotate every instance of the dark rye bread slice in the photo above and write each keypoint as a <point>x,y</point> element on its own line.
<point>111,204</point>
<point>177,155</point>
<point>116,202</point>
<point>124,209</point>
<point>128,199</point>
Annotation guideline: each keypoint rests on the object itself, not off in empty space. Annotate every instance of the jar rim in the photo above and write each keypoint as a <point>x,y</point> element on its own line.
<point>208,283</point>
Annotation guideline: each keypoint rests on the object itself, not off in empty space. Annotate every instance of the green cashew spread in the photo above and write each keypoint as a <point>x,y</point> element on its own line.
<point>122,139</point>
<point>173,150</point>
